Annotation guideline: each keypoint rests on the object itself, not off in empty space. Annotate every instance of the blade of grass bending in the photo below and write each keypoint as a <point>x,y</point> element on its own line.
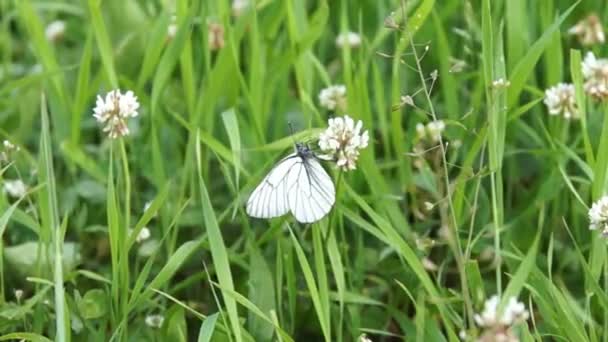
<point>103,42</point>
<point>577,79</point>
<point>525,67</point>
<point>218,249</point>
<point>207,328</point>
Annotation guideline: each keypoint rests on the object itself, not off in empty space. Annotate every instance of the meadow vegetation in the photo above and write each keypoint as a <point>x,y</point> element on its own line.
<point>134,132</point>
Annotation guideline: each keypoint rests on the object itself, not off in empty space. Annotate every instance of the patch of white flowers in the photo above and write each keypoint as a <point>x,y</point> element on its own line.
<point>143,235</point>
<point>598,215</point>
<point>333,97</point>
<point>350,39</point>
<point>114,110</point>
<point>15,188</point>
<point>560,99</point>
<point>589,31</point>
<point>239,6</point>
<point>8,149</point>
<point>595,73</point>
<point>55,31</point>
<point>496,325</point>
<point>154,321</point>
<point>342,140</point>
<point>431,131</point>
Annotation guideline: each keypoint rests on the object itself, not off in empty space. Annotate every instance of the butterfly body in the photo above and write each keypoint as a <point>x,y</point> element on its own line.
<point>297,184</point>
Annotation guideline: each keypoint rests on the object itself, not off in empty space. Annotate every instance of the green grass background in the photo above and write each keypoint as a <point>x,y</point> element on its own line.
<point>514,221</point>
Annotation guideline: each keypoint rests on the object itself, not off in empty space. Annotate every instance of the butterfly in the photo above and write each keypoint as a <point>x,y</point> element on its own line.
<point>297,184</point>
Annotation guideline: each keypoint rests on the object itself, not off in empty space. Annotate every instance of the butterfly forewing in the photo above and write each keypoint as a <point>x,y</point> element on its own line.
<point>269,198</point>
<point>297,184</point>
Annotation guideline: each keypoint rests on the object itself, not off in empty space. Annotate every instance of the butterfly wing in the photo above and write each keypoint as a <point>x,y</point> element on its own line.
<point>269,199</point>
<point>310,191</point>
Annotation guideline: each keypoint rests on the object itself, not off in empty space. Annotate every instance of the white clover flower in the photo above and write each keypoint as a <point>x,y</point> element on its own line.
<point>598,215</point>
<point>215,36</point>
<point>595,73</point>
<point>8,149</point>
<point>15,188</point>
<point>432,131</point>
<point>364,338</point>
<point>114,111</point>
<point>144,234</point>
<point>350,39</point>
<point>55,31</point>
<point>501,83</point>
<point>172,28</point>
<point>333,97</point>
<point>589,31</point>
<point>18,294</point>
<point>154,321</point>
<point>239,6</point>
<point>342,140</point>
<point>560,99</point>
<point>514,312</point>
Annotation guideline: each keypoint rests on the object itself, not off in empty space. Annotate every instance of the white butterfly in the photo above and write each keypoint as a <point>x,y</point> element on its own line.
<point>298,184</point>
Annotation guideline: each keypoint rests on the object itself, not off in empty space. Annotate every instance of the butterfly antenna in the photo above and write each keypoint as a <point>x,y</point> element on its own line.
<point>292,132</point>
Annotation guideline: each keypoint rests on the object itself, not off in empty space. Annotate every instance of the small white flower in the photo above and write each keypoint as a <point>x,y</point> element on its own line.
<point>364,338</point>
<point>114,111</point>
<point>595,73</point>
<point>432,131</point>
<point>514,312</point>
<point>15,188</point>
<point>155,321</point>
<point>598,215</point>
<point>18,294</point>
<point>144,234</point>
<point>239,6</point>
<point>333,97</point>
<point>172,28</point>
<point>501,83</point>
<point>589,31</point>
<point>342,140</point>
<point>560,99</point>
<point>350,39</point>
<point>7,151</point>
<point>55,31</point>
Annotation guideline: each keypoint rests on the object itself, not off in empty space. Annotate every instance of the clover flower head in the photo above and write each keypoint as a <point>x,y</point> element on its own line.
<point>55,31</point>
<point>589,30</point>
<point>154,321</point>
<point>172,28</point>
<point>342,140</point>
<point>333,97</point>
<point>598,215</point>
<point>560,99</point>
<point>15,188</point>
<point>239,6</point>
<point>114,110</point>
<point>432,131</point>
<point>144,234</point>
<point>513,312</point>
<point>595,73</point>
<point>350,39</point>
<point>8,149</point>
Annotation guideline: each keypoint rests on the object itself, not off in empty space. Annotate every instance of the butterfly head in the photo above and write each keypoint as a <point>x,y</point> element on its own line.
<point>303,150</point>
